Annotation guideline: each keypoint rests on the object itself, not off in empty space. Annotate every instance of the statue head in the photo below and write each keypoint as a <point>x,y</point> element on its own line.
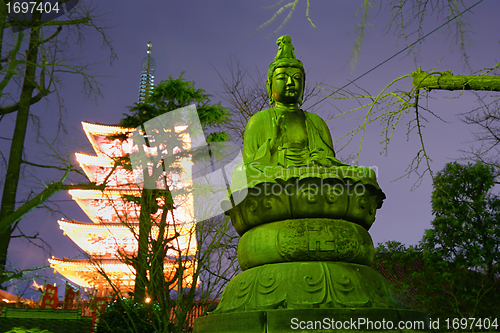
<point>285,67</point>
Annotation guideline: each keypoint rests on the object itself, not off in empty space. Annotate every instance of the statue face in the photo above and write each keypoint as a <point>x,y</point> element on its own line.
<point>287,85</point>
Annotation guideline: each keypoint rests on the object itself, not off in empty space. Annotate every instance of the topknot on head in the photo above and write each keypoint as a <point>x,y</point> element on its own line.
<point>284,58</point>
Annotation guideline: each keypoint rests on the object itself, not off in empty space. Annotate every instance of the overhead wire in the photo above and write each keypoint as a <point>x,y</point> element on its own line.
<point>398,53</point>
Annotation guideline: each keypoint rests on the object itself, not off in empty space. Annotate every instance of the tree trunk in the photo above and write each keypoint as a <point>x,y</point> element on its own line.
<point>157,260</point>
<point>141,263</point>
<point>8,204</point>
<point>3,19</point>
<point>448,81</point>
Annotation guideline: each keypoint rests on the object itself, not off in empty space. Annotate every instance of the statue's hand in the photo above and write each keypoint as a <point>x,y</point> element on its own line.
<point>277,132</point>
<point>318,157</point>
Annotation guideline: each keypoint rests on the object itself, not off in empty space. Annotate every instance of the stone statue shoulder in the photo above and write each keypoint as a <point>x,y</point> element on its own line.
<point>258,131</point>
<point>260,118</point>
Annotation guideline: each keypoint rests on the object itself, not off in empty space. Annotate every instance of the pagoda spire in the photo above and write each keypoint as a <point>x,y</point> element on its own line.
<point>147,75</point>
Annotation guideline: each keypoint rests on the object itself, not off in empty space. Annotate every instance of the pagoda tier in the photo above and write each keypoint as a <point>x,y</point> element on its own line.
<point>110,207</point>
<point>107,206</point>
<point>107,239</point>
<point>113,230</point>
<point>98,136</point>
<point>86,272</point>
<point>97,168</point>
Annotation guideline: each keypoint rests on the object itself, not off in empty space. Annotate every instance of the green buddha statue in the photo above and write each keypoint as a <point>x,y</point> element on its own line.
<point>284,135</point>
<point>289,168</point>
<point>303,217</point>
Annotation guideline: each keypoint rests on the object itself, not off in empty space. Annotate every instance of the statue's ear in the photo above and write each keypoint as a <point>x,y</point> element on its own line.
<point>270,92</point>
<point>301,99</point>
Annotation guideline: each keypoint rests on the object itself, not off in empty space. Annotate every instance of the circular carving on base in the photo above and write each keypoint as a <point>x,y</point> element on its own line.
<point>305,240</point>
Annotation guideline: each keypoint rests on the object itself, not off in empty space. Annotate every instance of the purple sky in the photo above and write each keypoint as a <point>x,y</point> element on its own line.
<point>197,36</point>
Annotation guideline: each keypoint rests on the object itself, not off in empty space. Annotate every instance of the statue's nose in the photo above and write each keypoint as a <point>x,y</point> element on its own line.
<point>289,81</point>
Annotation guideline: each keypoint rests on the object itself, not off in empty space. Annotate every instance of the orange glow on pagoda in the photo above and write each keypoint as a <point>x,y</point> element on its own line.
<point>114,222</point>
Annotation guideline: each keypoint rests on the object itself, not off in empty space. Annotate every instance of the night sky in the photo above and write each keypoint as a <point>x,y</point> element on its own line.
<point>200,37</point>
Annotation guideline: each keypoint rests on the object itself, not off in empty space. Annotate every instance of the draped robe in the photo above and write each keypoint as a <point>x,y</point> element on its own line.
<point>318,142</point>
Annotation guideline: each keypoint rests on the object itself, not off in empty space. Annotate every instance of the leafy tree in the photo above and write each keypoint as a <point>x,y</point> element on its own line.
<point>168,96</point>
<point>402,267</point>
<point>157,151</point>
<point>113,318</point>
<point>454,271</point>
<point>34,56</point>
<point>466,229</point>
<point>424,282</point>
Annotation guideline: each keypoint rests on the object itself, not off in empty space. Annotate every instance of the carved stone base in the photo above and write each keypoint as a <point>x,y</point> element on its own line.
<point>307,285</point>
<point>348,193</point>
<point>345,320</point>
<point>310,239</point>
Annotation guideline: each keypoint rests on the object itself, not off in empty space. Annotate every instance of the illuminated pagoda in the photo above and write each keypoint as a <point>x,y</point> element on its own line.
<point>115,221</point>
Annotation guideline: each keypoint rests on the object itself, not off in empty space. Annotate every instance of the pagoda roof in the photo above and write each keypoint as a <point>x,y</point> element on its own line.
<point>97,135</point>
<point>92,225</point>
<point>107,206</point>
<point>102,129</point>
<point>84,272</point>
<point>110,206</point>
<point>109,239</point>
<point>88,159</point>
<point>98,168</point>
<point>8,297</point>
<point>98,194</point>
<point>96,260</point>
<point>119,225</point>
<point>101,238</point>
